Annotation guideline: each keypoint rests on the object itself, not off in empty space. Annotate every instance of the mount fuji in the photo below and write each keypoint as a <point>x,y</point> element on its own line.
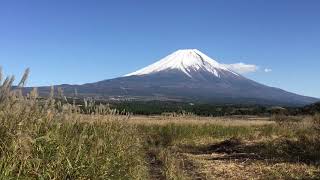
<point>189,62</point>
<point>187,75</point>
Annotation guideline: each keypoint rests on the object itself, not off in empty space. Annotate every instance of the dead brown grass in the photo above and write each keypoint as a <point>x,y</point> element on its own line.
<point>196,120</point>
<point>235,159</point>
<point>234,147</point>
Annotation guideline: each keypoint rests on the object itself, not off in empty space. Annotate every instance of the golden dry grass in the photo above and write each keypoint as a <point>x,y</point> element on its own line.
<point>205,148</point>
<point>197,120</point>
<point>259,169</point>
<point>49,139</point>
<point>242,166</point>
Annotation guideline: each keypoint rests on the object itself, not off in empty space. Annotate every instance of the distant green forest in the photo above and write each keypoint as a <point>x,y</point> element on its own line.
<point>167,107</point>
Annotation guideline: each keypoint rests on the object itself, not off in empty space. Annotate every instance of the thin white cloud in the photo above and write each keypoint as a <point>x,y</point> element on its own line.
<point>242,68</point>
<point>267,70</point>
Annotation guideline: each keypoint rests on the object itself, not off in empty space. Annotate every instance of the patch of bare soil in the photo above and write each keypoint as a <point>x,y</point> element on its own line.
<point>155,167</point>
<point>190,169</point>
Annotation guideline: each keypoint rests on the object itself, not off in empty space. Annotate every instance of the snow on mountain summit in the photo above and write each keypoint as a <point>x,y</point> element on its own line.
<point>187,61</point>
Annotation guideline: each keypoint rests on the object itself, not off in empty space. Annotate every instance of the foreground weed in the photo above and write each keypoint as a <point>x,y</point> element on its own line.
<point>48,139</point>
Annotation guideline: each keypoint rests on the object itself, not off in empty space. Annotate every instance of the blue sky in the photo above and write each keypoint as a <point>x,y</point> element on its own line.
<point>79,41</point>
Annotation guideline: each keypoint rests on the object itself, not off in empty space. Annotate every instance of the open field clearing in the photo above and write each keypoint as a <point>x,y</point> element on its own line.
<point>224,121</point>
<point>215,148</point>
<point>36,144</point>
<point>79,146</point>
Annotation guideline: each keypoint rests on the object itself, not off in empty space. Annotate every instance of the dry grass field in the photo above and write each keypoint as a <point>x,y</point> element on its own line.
<point>55,139</point>
<point>225,121</point>
<point>231,147</point>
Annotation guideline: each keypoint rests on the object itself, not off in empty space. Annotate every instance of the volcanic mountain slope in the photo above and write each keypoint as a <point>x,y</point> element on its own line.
<point>188,75</point>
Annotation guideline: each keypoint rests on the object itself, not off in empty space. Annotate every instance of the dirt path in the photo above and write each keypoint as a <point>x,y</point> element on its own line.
<point>190,169</point>
<point>155,167</point>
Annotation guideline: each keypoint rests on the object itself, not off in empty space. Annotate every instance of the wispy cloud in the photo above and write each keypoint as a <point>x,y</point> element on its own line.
<point>267,70</point>
<point>242,68</point>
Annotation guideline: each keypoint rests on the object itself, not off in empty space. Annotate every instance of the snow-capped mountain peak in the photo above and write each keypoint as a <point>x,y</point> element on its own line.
<point>186,75</point>
<point>186,61</point>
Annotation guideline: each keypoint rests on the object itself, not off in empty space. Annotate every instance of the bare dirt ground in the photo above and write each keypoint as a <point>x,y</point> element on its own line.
<point>155,167</point>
